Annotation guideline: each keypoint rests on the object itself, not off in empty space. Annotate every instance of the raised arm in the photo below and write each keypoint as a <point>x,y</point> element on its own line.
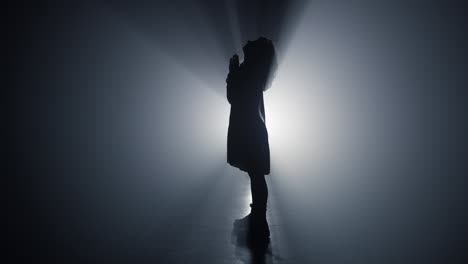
<point>232,77</point>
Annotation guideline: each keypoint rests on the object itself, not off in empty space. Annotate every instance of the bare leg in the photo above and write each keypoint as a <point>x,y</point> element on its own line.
<point>255,223</point>
<point>258,223</point>
<point>259,192</point>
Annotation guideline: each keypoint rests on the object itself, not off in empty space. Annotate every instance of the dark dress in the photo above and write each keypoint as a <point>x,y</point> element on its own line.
<point>247,144</point>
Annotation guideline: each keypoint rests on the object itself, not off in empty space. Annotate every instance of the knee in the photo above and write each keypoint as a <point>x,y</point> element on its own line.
<point>257,178</point>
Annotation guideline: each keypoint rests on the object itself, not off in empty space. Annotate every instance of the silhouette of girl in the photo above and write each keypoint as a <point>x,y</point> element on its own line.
<point>247,144</point>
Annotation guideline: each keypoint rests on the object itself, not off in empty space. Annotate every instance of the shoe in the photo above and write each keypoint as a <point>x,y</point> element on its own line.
<point>258,225</point>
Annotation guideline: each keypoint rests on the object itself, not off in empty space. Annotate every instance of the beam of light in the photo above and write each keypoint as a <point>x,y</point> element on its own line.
<point>311,118</point>
<point>204,34</point>
<point>233,22</point>
<point>129,130</point>
<point>182,117</point>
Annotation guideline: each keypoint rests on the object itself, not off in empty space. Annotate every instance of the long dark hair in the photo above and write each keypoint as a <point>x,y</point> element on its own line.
<point>260,55</point>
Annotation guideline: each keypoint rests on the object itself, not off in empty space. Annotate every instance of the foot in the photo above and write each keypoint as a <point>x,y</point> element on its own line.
<point>258,227</point>
<point>255,224</point>
<point>242,223</point>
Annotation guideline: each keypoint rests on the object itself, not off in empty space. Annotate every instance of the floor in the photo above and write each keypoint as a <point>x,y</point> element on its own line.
<point>193,223</point>
<point>209,236</point>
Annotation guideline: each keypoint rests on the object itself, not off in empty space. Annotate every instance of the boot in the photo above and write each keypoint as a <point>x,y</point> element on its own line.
<point>258,225</point>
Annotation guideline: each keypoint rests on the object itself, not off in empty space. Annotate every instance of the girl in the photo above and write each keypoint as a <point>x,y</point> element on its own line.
<point>247,146</point>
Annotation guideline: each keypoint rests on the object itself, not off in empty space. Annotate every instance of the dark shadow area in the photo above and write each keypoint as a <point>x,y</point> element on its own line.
<point>249,247</point>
